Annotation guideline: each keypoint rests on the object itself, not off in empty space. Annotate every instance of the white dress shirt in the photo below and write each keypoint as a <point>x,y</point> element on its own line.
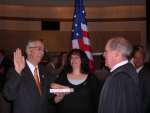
<point>119,64</point>
<point>32,68</point>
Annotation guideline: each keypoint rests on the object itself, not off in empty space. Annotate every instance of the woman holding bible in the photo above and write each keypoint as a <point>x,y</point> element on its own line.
<point>86,88</point>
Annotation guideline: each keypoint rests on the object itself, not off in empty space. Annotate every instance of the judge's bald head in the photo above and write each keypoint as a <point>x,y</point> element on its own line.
<point>117,49</point>
<point>121,45</point>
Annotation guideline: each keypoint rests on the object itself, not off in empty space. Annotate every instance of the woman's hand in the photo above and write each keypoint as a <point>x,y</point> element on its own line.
<point>59,95</point>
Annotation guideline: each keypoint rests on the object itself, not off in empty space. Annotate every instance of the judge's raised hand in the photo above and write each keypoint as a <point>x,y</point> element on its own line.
<point>19,61</point>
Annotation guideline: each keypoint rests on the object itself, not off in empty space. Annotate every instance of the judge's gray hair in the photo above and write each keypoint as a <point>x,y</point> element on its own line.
<point>120,44</point>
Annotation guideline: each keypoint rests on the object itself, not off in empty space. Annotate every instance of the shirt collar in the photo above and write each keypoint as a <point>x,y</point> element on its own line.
<point>139,69</point>
<point>119,64</point>
<point>31,66</point>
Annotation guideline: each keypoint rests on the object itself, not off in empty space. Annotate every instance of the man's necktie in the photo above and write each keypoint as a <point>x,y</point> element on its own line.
<point>37,81</point>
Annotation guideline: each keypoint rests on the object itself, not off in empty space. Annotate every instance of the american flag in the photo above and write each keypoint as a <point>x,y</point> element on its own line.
<point>80,36</point>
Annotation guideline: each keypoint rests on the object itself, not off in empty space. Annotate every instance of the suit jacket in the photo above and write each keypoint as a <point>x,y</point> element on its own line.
<point>6,64</point>
<point>144,76</point>
<point>22,90</point>
<point>121,92</point>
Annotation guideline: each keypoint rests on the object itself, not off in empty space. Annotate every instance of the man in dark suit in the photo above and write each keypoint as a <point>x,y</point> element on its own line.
<point>27,86</point>
<point>120,93</point>
<point>145,86</point>
<point>143,70</point>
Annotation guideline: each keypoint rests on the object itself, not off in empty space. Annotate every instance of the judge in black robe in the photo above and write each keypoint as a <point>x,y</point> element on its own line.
<point>121,92</point>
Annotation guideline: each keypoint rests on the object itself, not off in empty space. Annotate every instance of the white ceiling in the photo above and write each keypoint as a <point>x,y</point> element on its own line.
<point>71,2</point>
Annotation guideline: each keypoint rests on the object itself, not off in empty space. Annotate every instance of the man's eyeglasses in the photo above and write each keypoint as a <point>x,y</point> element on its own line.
<point>38,48</point>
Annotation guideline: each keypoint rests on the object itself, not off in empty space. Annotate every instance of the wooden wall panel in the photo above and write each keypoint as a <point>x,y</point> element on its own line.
<point>60,41</point>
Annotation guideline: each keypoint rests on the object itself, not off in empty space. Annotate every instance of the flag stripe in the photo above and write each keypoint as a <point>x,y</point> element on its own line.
<point>86,41</point>
<point>83,46</point>
<point>89,55</point>
<point>75,44</point>
<point>84,27</point>
<point>85,34</point>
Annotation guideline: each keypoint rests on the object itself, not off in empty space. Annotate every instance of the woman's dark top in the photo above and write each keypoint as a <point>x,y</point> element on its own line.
<point>84,99</point>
